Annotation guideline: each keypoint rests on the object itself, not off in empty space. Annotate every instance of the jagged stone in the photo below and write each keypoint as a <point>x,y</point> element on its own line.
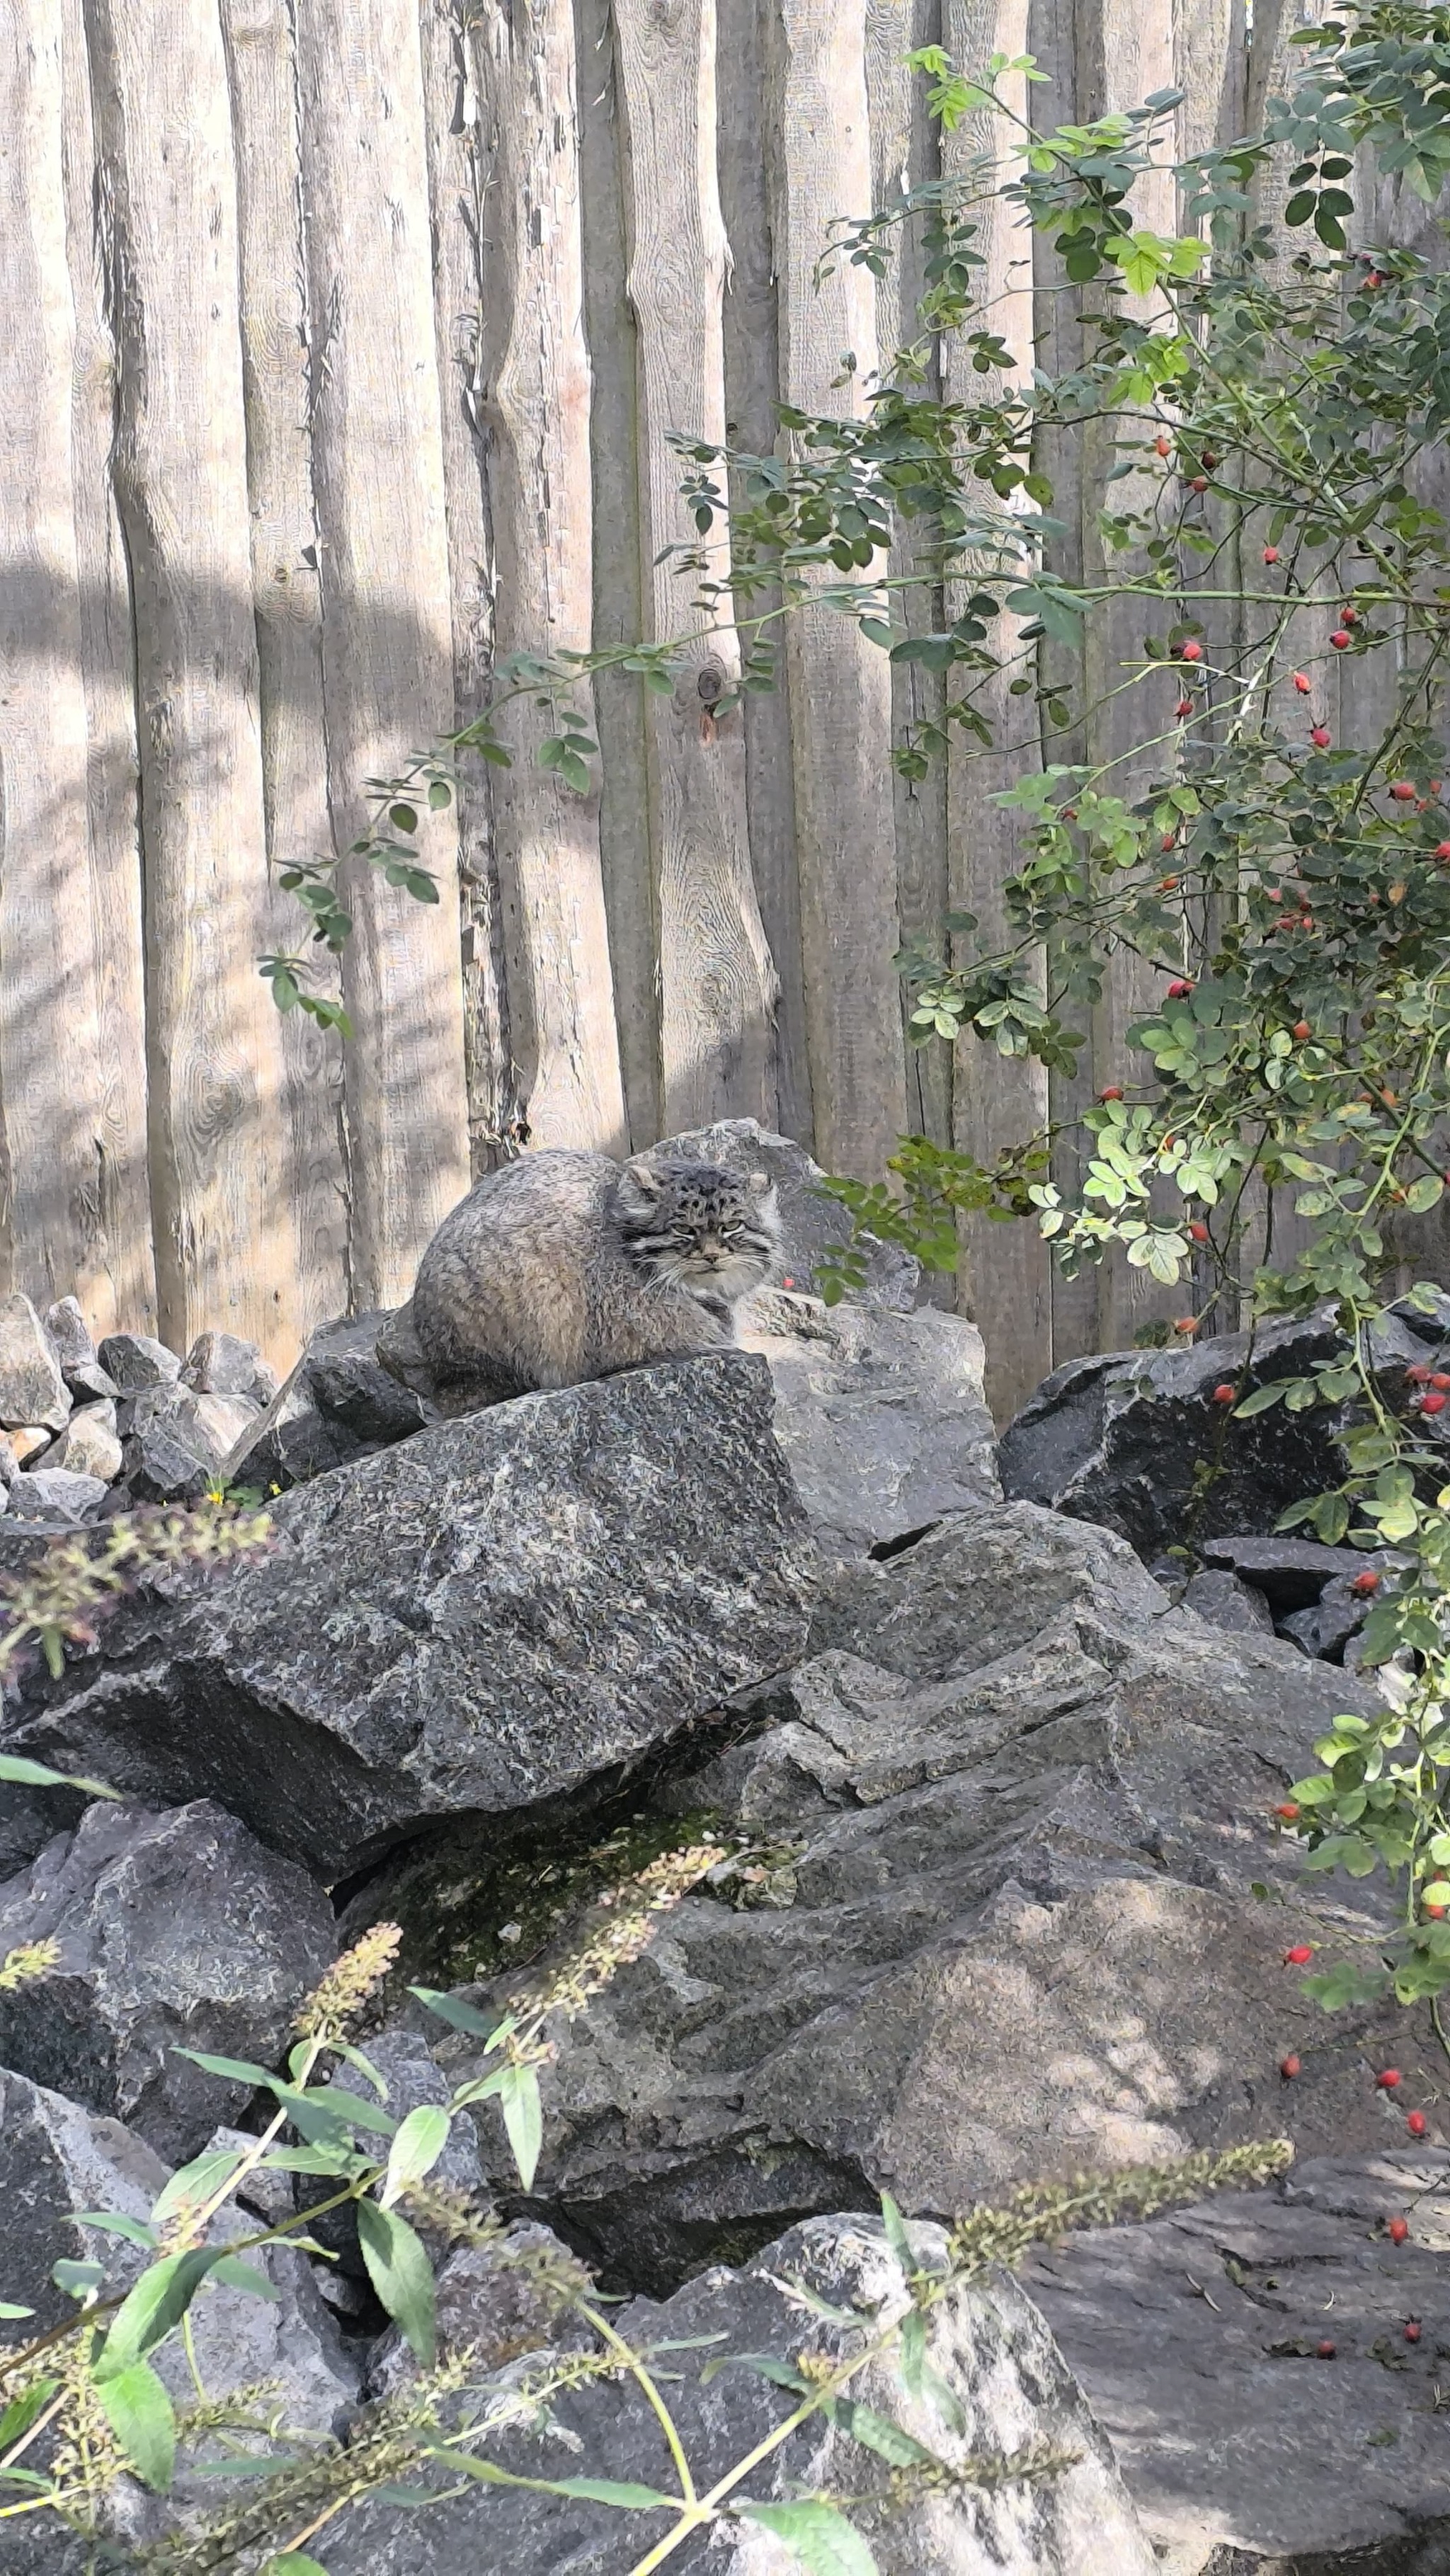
<point>1291,1573</point>
<point>88,1446</point>
<point>988,2344</point>
<point>28,1440</point>
<point>1226,1601</point>
<point>1195,2338</point>
<point>59,1494</point>
<point>32,1389</point>
<point>483,1616</point>
<point>1127,1438</point>
<point>135,1360</point>
<point>175,1931</point>
<point>339,1404</point>
<point>223,1364</point>
<point>880,1414</point>
<point>492,2303</point>
<point>1325,1629</point>
<point>173,1442</point>
<point>69,1336</point>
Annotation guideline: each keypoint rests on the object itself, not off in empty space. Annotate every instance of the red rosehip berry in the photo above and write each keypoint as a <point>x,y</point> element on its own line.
<point>1166,885</point>
<point>1389,2078</point>
<point>1399,2229</point>
<point>1349,617</point>
<point>1402,791</point>
<point>1303,683</point>
<point>1271,554</point>
<point>1302,1030</point>
<point>1168,840</point>
<point>1365,1583</point>
<point>1303,1951</point>
<point>1375,278</point>
<point>1417,2124</point>
<point>1441,1380</point>
<point>1163,445</point>
<point>1113,1091</point>
<point>1186,1324</point>
<point>1179,989</point>
<point>1198,1231</point>
<point>1184,707</point>
<point>1418,1374</point>
<point>1412,2330</point>
<point>1432,1404</point>
<point>1441,850</point>
<point>1288,1808</point>
<point>1289,2067</point>
<point>1198,483</point>
<point>1326,2350</point>
<point>1225,1394</point>
<point>1192,651</point>
<point>1320,736</point>
<point>1435,1912</point>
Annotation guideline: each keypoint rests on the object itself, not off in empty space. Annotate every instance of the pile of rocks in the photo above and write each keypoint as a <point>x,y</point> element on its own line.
<point>86,1432</point>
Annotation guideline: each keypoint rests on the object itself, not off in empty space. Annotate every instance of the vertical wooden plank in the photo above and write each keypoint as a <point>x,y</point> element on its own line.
<point>387,639</point>
<point>752,391</point>
<point>262,71</point>
<point>220,1149</point>
<point>535,393</point>
<point>456,185</point>
<point>904,154</point>
<point>998,1101</point>
<point>717,982</point>
<point>840,686</point>
<point>52,1240</point>
<point>620,575</point>
<point>107,651</point>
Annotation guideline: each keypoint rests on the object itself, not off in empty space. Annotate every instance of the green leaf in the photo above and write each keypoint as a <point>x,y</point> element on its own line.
<point>764,2365</point>
<point>38,1775</point>
<point>158,2302</point>
<point>78,2280</point>
<point>1423,1194</point>
<point>458,2014</point>
<point>415,2150</point>
<point>196,2182</point>
<point>111,2223</point>
<point>22,2411</point>
<point>234,2070</point>
<point>440,794</point>
<point>1260,1399</point>
<point>231,2273</point>
<point>9,2309</point>
<point>818,2537</point>
<point>143,2420</point>
<point>401,2275</point>
<point>877,2433</point>
<point>523,2117</point>
<point>620,2491</point>
<point>896,2235</point>
<point>404,818</point>
<point>294,2562</point>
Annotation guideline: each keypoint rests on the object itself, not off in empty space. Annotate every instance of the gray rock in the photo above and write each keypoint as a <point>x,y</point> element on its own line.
<point>995,1917</point>
<point>175,1931</point>
<point>57,2162</point>
<point>88,1446</point>
<point>1225,1601</point>
<point>1120,1438</point>
<point>493,2302</point>
<point>1325,1629</point>
<point>134,1360</point>
<point>484,1616</point>
<point>880,1414</point>
<point>223,1364</point>
<point>59,1494</point>
<point>988,2343</point>
<point>69,1336</point>
<point>401,1353</point>
<point>810,1221</point>
<point>339,1404</point>
<point>32,1389</point>
<point>1290,1572</point>
<point>173,1442</point>
<point>1195,2340</point>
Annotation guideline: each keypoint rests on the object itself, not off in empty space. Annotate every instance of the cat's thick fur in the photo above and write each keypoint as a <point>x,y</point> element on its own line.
<point>566,1266</point>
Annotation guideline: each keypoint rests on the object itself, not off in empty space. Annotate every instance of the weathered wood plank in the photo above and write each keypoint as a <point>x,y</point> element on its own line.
<point>717,982</point>
<point>998,1101</point>
<point>113,828</point>
<point>840,686</point>
<point>535,394</point>
<point>387,629</point>
<point>262,71</point>
<point>752,391</point>
<point>52,1238</point>
<point>220,1149</point>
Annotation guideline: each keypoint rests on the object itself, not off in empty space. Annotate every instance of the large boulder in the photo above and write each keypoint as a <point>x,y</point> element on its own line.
<point>340,1403</point>
<point>995,1917</point>
<point>1136,1441</point>
<point>1197,2339</point>
<point>174,1931</point>
<point>482,1617</point>
<point>988,2344</point>
<point>880,1413</point>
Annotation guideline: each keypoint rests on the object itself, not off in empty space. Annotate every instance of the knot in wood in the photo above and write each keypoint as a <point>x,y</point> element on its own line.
<point>710,682</point>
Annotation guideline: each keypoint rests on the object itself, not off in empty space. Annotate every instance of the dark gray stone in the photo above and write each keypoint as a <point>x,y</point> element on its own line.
<point>809,1220</point>
<point>224,1364</point>
<point>484,1616</point>
<point>1125,1438</point>
<point>88,1446</point>
<point>494,2302</point>
<point>1195,2338</point>
<point>1291,1573</point>
<point>134,1360</point>
<point>988,2343</point>
<point>57,1494</point>
<point>1227,1602</point>
<point>175,1931</point>
<point>172,1442</point>
<point>995,1918</point>
<point>1325,1629</point>
<point>32,1389</point>
<point>339,1404</point>
<point>69,1337</point>
<point>880,1414</point>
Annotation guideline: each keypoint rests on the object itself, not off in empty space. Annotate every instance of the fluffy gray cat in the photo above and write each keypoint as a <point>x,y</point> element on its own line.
<point>565,1266</point>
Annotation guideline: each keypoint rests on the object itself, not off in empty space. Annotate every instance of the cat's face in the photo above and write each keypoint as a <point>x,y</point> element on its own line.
<point>699,1226</point>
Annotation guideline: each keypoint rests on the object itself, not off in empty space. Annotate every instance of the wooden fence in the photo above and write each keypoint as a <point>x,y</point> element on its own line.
<point>341,346</point>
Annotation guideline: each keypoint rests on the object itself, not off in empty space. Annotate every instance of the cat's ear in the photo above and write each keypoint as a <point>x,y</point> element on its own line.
<point>760,1185</point>
<point>640,1189</point>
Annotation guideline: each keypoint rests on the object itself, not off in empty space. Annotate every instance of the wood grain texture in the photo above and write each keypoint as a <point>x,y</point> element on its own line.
<point>717,989</point>
<point>453,133</point>
<point>997,1101</point>
<point>51,1231</point>
<point>535,396</point>
<point>107,652</point>
<point>387,626</point>
<point>286,597</point>
<point>220,1147</point>
<point>840,686</point>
